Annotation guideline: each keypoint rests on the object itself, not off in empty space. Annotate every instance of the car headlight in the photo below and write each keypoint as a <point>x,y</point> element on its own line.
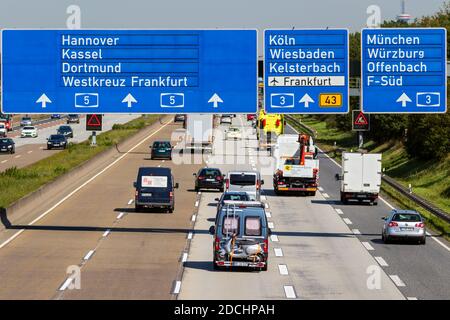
<point>9,147</point>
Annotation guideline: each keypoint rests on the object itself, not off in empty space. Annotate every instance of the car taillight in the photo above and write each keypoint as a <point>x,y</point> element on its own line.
<point>227,183</point>
<point>258,186</point>
<point>277,123</point>
<point>136,193</point>
<point>264,123</point>
<point>393,224</point>
<point>219,178</point>
<point>201,178</point>
<point>171,195</point>
<point>217,244</point>
<point>420,225</point>
<point>266,246</point>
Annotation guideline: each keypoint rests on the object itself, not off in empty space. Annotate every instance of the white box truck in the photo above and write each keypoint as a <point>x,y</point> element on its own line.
<point>199,132</point>
<point>360,177</point>
<point>297,166</point>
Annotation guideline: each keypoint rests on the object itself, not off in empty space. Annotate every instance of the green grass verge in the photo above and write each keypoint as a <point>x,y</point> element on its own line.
<point>429,179</point>
<point>16,183</point>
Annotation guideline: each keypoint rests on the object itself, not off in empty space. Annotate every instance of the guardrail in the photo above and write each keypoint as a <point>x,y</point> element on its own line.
<point>390,181</point>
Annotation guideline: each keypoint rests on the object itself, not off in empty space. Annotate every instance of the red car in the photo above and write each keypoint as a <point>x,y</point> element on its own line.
<point>251,116</point>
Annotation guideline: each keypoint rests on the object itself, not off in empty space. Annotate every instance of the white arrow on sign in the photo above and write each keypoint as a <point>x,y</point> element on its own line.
<point>404,99</point>
<point>43,100</point>
<point>215,99</point>
<point>306,99</point>
<point>129,99</point>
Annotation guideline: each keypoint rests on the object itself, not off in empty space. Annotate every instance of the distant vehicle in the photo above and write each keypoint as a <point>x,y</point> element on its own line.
<point>241,237</point>
<point>7,145</point>
<point>209,178</point>
<point>273,123</point>
<point>404,224</point>
<point>161,150</point>
<point>225,119</point>
<point>3,130</point>
<point>360,177</point>
<point>297,166</point>
<point>29,132</point>
<point>245,181</point>
<point>233,133</point>
<point>251,116</point>
<point>65,131</point>
<point>231,197</point>
<point>56,141</point>
<point>155,189</point>
<point>7,120</point>
<point>199,132</point>
<point>73,118</point>
<point>55,116</point>
<point>26,121</point>
<point>179,118</point>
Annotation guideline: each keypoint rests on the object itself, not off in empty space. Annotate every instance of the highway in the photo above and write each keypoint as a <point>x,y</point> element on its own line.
<point>30,150</point>
<point>319,249</point>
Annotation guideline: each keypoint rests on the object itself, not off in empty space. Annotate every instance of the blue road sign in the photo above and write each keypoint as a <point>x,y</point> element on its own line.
<point>404,70</point>
<point>306,71</point>
<point>129,71</point>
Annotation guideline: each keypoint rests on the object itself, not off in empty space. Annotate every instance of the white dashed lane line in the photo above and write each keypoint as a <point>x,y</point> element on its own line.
<point>339,211</point>
<point>367,246</point>
<point>130,202</point>
<point>274,238</point>
<point>320,189</point>
<point>106,233</point>
<point>66,284</point>
<point>18,156</point>
<point>30,151</point>
<point>120,215</point>
<point>290,292</point>
<point>282,268</point>
<point>411,298</point>
<point>278,252</point>
<point>88,255</point>
<point>4,161</point>
<point>193,217</point>
<point>189,236</point>
<point>268,214</point>
<point>356,231</point>
<point>398,282</point>
<point>185,257</point>
<point>177,287</point>
<point>196,203</point>
<point>381,261</point>
<point>347,221</point>
<point>325,195</point>
<point>263,198</point>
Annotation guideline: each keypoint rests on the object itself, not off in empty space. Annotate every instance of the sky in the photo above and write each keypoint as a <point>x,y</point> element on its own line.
<point>171,14</point>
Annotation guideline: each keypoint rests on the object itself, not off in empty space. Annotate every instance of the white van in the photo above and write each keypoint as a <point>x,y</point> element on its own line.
<point>245,181</point>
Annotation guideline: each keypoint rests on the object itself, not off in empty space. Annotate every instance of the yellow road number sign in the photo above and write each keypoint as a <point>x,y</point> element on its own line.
<point>330,100</point>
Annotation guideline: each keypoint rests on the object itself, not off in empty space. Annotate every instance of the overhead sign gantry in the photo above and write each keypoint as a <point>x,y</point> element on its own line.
<point>129,71</point>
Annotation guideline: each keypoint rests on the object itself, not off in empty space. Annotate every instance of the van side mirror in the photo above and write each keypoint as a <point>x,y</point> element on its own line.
<point>176,185</point>
<point>337,176</point>
<point>135,184</point>
<point>194,174</point>
<point>212,230</point>
<point>262,182</point>
<point>216,199</point>
<point>383,218</point>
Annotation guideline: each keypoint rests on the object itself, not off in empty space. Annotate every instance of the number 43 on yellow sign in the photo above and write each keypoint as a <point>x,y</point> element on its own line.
<point>330,100</point>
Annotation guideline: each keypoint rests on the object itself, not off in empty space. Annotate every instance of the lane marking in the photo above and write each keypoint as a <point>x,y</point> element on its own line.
<point>185,257</point>
<point>268,214</point>
<point>196,203</point>
<point>199,193</point>
<point>4,161</point>
<point>66,284</point>
<point>120,215</point>
<point>282,268</point>
<point>398,282</point>
<point>190,235</point>
<point>30,151</point>
<point>356,231</point>
<point>347,221</point>
<point>88,255</point>
<point>193,217</point>
<point>278,252</point>
<point>411,298</point>
<point>274,238</point>
<point>339,211</point>
<point>130,202</point>
<point>18,156</point>
<point>106,233</point>
<point>320,189</point>
<point>42,148</point>
<point>177,288</point>
<point>367,246</point>
<point>290,292</point>
<point>163,161</point>
<point>381,261</point>
<point>83,185</point>
<point>438,241</point>
<point>266,205</point>
<point>270,224</point>
<point>325,195</point>
<point>159,166</point>
<point>263,198</point>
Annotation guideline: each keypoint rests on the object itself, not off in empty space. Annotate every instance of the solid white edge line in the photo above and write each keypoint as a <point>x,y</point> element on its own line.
<point>83,185</point>
<point>282,268</point>
<point>438,241</point>
<point>381,261</point>
<point>278,252</point>
<point>368,246</point>
<point>177,287</point>
<point>398,282</point>
<point>89,255</point>
<point>290,292</point>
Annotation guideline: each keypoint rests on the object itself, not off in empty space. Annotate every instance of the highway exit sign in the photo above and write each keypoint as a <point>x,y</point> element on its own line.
<point>306,71</point>
<point>404,70</point>
<point>129,71</point>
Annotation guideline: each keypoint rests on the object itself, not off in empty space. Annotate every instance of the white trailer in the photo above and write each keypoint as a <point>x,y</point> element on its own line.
<point>360,177</point>
<point>199,132</point>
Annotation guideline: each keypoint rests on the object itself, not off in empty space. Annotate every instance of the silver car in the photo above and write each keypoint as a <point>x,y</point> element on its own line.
<point>404,224</point>
<point>26,121</point>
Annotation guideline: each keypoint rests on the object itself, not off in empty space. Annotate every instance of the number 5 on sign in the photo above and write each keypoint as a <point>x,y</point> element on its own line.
<point>330,100</point>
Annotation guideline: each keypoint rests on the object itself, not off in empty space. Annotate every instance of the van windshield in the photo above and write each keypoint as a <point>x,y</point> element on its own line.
<point>243,179</point>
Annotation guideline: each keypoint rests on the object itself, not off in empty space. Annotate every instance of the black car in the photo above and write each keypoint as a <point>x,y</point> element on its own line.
<point>209,178</point>
<point>65,131</point>
<point>73,118</point>
<point>179,117</point>
<point>56,141</point>
<point>154,188</point>
<point>161,150</point>
<point>7,145</point>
